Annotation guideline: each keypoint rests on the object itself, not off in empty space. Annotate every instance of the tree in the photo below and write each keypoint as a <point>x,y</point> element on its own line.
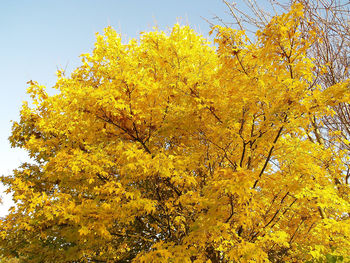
<point>169,150</point>
<point>331,51</point>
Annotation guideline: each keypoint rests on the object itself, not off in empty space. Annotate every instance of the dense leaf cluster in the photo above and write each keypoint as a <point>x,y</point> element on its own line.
<point>169,150</point>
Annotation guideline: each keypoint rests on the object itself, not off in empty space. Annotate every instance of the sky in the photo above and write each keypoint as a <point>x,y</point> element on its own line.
<point>40,36</point>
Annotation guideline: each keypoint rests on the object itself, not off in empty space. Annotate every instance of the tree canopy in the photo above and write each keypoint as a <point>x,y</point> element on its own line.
<point>171,149</point>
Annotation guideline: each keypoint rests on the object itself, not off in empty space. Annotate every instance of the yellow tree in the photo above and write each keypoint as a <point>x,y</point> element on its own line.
<point>167,149</point>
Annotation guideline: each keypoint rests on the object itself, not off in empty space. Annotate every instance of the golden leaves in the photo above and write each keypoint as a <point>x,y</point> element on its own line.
<point>164,149</point>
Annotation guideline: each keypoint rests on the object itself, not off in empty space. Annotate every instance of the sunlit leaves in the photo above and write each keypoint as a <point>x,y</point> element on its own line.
<point>167,150</point>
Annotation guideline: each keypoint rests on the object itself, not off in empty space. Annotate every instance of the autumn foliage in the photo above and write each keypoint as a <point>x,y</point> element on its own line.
<point>169,149</point>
